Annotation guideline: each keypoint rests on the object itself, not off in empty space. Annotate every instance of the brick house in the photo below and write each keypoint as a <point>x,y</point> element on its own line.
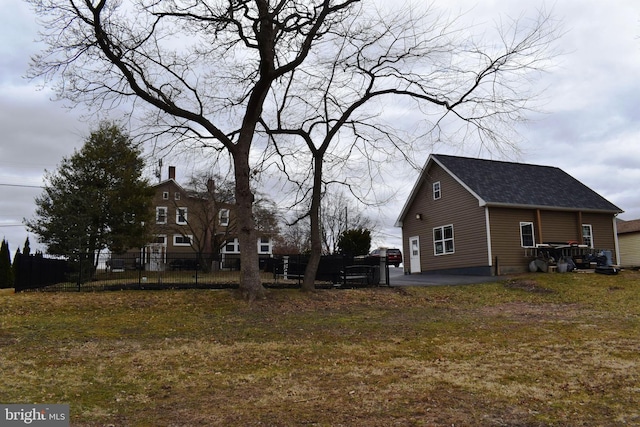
<point>189,223</point>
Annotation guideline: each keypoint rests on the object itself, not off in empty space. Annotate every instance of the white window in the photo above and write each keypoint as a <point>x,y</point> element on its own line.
<point>223,216</point>
<point>182,240</point>
<point>443,240</point>
<point>436,190</point>
<point>264,245</point>
<point>176,196</point>
<point>527,239</point>
<point>587,235</point>
<point>165,195</point>
<point>181,216</point>
<point>231,247</point>
<point>161,215</point>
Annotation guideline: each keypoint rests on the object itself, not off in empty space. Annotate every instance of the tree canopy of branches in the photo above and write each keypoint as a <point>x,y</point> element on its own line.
<point>221,72</point>
<point>204,69</point>
<point>209,194</point>
<point>332,112</point>
<point>96,199</point>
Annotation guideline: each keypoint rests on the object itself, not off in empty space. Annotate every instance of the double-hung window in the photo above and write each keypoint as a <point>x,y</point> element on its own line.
<point>527,239</point>
<point>223,217</point>
<point>181,216</point>
<point>443,240</point>
<point>264,245</point>
<point>161,215</point>
<point>437,191</point>
<point>587,235</point>
<point>231,247</point>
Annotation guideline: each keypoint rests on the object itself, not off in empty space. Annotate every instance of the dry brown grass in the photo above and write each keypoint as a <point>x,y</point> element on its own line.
<point>536,350</point>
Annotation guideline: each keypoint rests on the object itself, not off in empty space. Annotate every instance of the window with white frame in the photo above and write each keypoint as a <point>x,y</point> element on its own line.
<point>161,215</point>
<point>527,239</point>
<point>223,217</point>
<point>176,196</point>
<point>182,239</point>
<point>165,195</point>
<point>231,247</point>
<point>437,193</point>
<point>181,216</point>
<point>264,245</point>
<point>443,240</point>
<point>587,235</point>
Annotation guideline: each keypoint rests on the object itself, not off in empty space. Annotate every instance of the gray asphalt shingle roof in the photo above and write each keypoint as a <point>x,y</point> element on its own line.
<point>520,184</point>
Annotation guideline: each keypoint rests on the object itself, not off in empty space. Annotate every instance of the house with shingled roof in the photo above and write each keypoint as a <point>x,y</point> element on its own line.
<point>629,240</point>
<point>477,216</point>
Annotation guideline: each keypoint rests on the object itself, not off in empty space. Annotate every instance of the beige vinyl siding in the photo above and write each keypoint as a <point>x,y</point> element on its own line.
<point>505,238</point>
<point>603,233</point>
<point>456,207</point>
<point>629,249</point>
<point>554,226</point>
<point>558,226</point>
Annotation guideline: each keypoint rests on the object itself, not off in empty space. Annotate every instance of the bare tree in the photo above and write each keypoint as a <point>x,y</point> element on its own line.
<point>201,69</point>
<point>331,111</point>
<point>338,214</point>
<point>209,195</point>
<point>293,239</point>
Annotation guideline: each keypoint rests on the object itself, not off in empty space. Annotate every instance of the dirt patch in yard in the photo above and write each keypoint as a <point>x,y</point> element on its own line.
<point>527,285</point>
<point>542,312</point>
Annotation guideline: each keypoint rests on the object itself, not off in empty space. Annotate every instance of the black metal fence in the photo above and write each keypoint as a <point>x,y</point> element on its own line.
<point>35,271</point>
<point>162,270</point>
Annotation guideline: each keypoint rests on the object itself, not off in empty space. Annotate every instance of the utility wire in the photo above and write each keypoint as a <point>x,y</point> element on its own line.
<point>21,185</point>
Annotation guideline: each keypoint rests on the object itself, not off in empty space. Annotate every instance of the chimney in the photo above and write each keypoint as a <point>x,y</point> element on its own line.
<point>172,172</point>
<point>211,186</point>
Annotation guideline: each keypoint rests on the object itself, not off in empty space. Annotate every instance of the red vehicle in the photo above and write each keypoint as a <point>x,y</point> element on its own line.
<point>394,256</point>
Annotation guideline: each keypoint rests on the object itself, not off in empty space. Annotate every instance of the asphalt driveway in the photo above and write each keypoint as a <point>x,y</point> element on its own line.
<point>398,278</point>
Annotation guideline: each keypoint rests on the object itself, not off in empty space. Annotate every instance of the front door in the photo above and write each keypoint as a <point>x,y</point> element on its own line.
<point>157,256</point>
<point>414,255</point>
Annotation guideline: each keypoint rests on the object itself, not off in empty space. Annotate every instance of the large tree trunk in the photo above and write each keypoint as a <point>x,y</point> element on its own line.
<point>250,280</point>
<point>308,283</point>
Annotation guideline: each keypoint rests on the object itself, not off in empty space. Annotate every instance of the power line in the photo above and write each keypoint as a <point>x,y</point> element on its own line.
<point>21,185</point>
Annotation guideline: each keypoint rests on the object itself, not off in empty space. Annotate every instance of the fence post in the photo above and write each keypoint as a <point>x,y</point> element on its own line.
<point>198,258</point>
<point>384,277</point>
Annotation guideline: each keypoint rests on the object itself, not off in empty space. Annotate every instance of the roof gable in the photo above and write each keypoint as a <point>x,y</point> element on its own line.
<point>509,184</point>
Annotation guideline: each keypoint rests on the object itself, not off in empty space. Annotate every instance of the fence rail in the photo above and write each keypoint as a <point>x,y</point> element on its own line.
<point>185,270</point>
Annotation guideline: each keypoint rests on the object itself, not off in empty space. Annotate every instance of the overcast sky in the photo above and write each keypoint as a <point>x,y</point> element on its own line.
<point>591,128</point>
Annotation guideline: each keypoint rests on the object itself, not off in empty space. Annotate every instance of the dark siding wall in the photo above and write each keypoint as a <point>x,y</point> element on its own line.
<point>457,207</point>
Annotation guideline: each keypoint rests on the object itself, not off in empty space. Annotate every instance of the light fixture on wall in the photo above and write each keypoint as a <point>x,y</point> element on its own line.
<point>419,216</point>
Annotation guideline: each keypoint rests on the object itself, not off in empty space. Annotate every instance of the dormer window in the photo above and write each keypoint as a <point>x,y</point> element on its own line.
<point>436,190</point>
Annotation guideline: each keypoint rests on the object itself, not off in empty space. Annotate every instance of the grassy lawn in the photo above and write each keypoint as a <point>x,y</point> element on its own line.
<point>535,350</point>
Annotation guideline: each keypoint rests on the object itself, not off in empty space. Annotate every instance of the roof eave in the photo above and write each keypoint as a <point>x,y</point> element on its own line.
<point>551,208</point>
